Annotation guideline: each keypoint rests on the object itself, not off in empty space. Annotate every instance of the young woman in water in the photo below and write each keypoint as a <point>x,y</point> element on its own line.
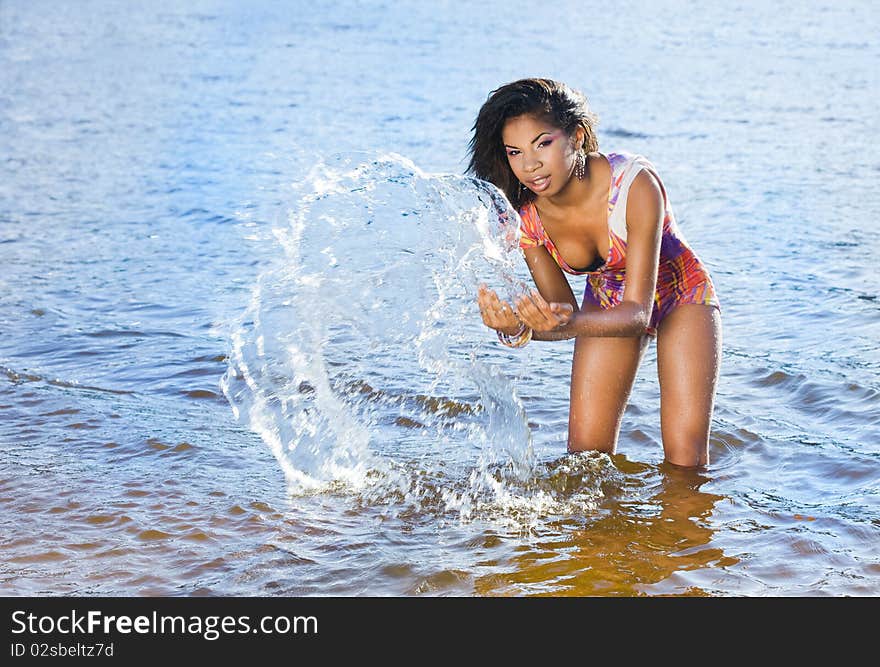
<point>609,216</point>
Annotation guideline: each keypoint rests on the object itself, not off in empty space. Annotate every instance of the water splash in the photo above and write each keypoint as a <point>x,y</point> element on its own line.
<point>361,360</point>
<point>364,332</point>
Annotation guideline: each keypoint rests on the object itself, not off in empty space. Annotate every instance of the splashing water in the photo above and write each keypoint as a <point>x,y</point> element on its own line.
<point>361,360</point>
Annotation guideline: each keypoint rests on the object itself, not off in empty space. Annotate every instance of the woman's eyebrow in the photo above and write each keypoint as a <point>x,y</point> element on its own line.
<point>532,141</point>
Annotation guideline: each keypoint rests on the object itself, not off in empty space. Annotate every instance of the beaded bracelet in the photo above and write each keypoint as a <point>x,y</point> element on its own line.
<point>519,339</point>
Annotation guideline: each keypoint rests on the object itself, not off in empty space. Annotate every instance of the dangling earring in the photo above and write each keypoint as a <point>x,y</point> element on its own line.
<point>580,166</point>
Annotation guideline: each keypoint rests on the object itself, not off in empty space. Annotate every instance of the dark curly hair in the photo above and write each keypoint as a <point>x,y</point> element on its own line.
<point>550,100</point>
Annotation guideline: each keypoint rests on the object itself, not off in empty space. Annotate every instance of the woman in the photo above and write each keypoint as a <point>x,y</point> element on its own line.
<point>608,215</point>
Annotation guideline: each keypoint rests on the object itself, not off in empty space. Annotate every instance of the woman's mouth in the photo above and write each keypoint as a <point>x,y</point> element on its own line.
<point>539,184</point>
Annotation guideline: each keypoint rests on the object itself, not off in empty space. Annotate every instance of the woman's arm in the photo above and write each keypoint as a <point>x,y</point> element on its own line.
<point>548,277</point>
<point>631,317</point>
<point>551,282</point>
<point>559,302</point>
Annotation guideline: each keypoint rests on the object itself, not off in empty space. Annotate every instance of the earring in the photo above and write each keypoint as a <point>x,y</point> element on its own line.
<point>580,166</point>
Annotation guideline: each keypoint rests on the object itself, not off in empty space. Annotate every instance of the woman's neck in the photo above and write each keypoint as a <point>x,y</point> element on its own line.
<point>575,193</point>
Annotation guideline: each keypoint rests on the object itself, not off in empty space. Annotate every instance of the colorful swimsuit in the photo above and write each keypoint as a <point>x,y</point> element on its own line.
<point>681,277</point>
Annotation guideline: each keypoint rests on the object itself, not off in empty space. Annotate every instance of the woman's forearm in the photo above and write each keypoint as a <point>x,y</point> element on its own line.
<point>627,319</point>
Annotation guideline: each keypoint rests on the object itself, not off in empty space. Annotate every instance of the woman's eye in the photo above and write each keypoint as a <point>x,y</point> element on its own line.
<point>512,153</point>
<point>545,143</point>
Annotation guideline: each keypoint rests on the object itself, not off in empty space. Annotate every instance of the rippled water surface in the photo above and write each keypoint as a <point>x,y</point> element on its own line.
<point>240,350</point>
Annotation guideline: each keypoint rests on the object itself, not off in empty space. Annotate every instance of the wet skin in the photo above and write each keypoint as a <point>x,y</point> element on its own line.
<point>609,343</point>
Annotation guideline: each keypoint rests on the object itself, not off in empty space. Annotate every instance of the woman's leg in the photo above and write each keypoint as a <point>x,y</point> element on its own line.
<point>688,362</point>
<point>602,374</point>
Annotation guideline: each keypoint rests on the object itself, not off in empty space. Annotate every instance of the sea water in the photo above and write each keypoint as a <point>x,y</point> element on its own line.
<point>238,267</point>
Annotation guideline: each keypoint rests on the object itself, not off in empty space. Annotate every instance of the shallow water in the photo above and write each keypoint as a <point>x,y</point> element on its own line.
<point>240,353</point>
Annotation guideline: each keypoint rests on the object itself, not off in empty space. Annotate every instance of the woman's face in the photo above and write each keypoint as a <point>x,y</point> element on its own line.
<point>541,155</point>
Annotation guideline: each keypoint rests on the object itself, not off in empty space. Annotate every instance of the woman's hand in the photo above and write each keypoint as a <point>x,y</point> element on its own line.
<point>497,314</point>
<point>541,315</point>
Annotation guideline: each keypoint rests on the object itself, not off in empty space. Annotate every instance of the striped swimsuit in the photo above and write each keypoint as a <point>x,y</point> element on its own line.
<point>681,277</point>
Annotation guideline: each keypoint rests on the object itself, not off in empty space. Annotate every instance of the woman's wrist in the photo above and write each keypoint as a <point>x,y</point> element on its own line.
<point>571,324</point>
<point>515,331</point>
<point>570,329</point>
<point>518,338</point>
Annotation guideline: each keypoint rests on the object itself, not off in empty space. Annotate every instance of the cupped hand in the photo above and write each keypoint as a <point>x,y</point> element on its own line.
<point>497,314</point>
<point>540,314</point>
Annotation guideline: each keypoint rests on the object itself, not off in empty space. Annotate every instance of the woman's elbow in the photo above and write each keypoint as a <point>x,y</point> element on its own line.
<point>641,319</point>
<point>640,327</point>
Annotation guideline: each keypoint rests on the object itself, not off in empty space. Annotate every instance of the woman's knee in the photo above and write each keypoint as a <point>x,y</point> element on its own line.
<point>686,451</point>
<point>591,440</point>
<point>575,446</point>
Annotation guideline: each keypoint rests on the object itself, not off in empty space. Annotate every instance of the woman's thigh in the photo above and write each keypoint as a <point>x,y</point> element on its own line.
<point>688,362</point>
<point>602,376</point>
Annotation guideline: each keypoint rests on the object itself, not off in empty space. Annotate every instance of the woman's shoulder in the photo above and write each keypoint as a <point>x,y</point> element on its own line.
<point>530,225</point>
<point>526,210</point>
<point>622,159</point>
<point>627,167</point>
